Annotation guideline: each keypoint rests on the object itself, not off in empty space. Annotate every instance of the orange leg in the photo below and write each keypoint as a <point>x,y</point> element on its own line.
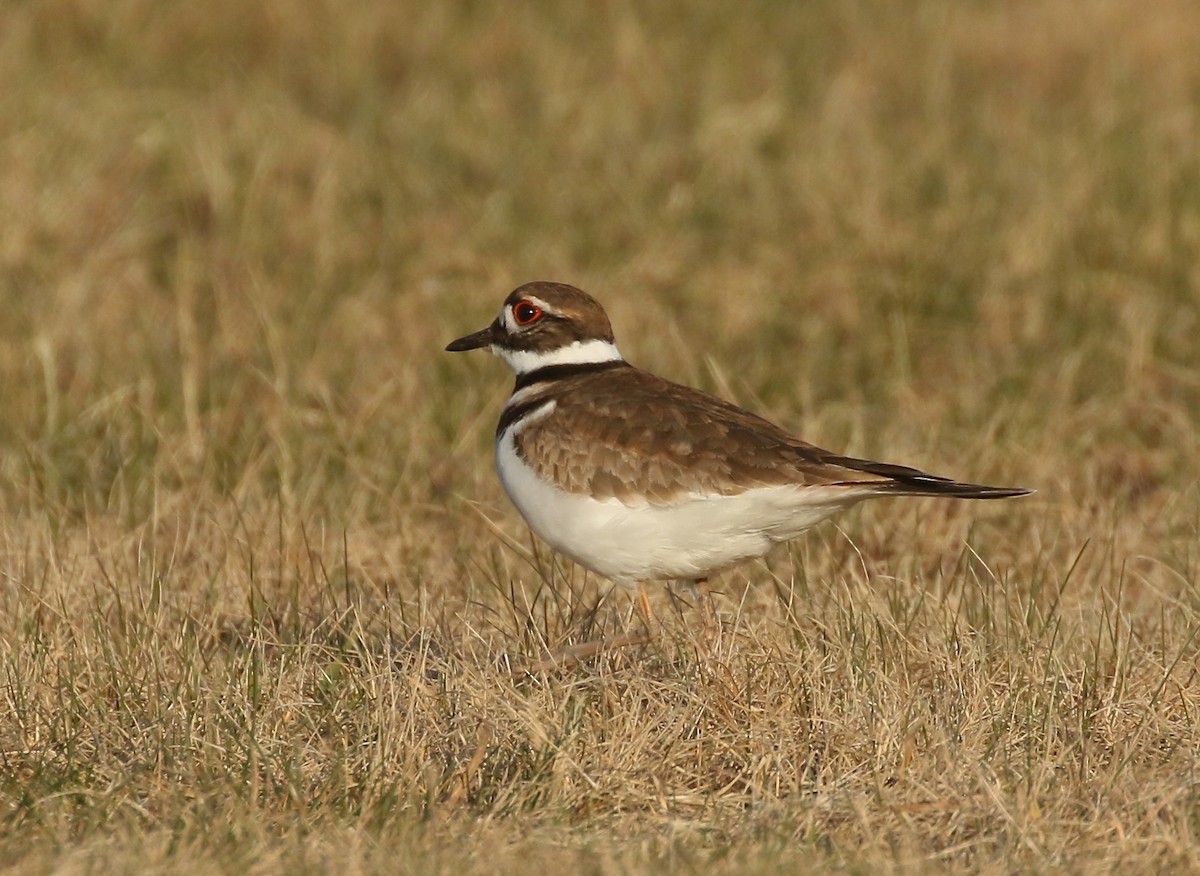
<point>572,654</point>
<point>708,612</point>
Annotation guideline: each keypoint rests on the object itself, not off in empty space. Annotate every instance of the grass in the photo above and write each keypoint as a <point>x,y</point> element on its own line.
<point>256,572</point>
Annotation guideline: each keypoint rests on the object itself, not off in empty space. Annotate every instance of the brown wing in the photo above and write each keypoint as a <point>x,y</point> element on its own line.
<point>627,432</point>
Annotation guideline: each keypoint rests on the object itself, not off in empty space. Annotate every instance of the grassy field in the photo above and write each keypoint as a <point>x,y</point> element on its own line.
<point>258,578</point>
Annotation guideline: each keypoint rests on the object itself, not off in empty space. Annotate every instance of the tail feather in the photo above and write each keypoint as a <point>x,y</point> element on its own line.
<point>931,486</point>
<point>905,481</point>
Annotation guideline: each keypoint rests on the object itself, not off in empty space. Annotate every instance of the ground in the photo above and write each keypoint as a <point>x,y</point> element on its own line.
<point>259,585</point>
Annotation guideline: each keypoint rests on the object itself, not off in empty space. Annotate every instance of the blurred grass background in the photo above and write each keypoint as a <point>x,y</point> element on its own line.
<point>233,242</point>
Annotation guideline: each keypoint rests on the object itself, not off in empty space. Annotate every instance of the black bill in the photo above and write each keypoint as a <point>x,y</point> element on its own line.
<point>482,338</point>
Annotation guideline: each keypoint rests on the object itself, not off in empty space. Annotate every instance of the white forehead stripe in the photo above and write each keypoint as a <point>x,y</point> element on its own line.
<point>577,353</point>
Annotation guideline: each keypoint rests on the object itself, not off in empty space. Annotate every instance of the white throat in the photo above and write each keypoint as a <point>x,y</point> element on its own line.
<point>577,353</point>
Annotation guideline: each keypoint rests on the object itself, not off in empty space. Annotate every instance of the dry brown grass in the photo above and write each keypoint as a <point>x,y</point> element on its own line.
<point>256,572</point>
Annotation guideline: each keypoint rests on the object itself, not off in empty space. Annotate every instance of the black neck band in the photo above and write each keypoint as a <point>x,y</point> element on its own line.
<point>512,413</point>
<point>559,372</point>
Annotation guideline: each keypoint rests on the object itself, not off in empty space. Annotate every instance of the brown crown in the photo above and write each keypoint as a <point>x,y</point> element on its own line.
<point>571,315</point>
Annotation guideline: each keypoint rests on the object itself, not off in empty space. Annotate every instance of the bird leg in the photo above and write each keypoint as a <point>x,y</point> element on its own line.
<point>571,655</point>
<point>649,621</point>
<point>710,625</point>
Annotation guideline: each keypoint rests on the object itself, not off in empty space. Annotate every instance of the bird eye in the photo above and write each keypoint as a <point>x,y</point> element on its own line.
<point>525,313</point>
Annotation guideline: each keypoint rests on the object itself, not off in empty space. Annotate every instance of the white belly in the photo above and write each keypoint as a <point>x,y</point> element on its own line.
<point>686,540</point>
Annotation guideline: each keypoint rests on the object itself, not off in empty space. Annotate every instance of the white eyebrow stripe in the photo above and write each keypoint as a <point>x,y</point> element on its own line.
<point>506,313</point>
<point>533,299</point>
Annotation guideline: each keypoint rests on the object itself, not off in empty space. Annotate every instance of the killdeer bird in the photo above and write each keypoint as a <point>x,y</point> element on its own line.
<point>640,479</point>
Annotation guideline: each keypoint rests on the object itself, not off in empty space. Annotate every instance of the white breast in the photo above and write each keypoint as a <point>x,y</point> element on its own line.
<point>686,540</point>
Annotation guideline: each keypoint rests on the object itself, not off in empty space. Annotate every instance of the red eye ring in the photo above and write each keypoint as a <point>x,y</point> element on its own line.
<point>526,313</point>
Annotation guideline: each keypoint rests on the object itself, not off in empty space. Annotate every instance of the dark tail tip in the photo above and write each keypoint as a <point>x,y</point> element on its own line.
<point>905,481</point>
<point>935,486</point>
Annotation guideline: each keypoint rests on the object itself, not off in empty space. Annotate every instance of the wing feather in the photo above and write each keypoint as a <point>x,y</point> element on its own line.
<point>635,437</point>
